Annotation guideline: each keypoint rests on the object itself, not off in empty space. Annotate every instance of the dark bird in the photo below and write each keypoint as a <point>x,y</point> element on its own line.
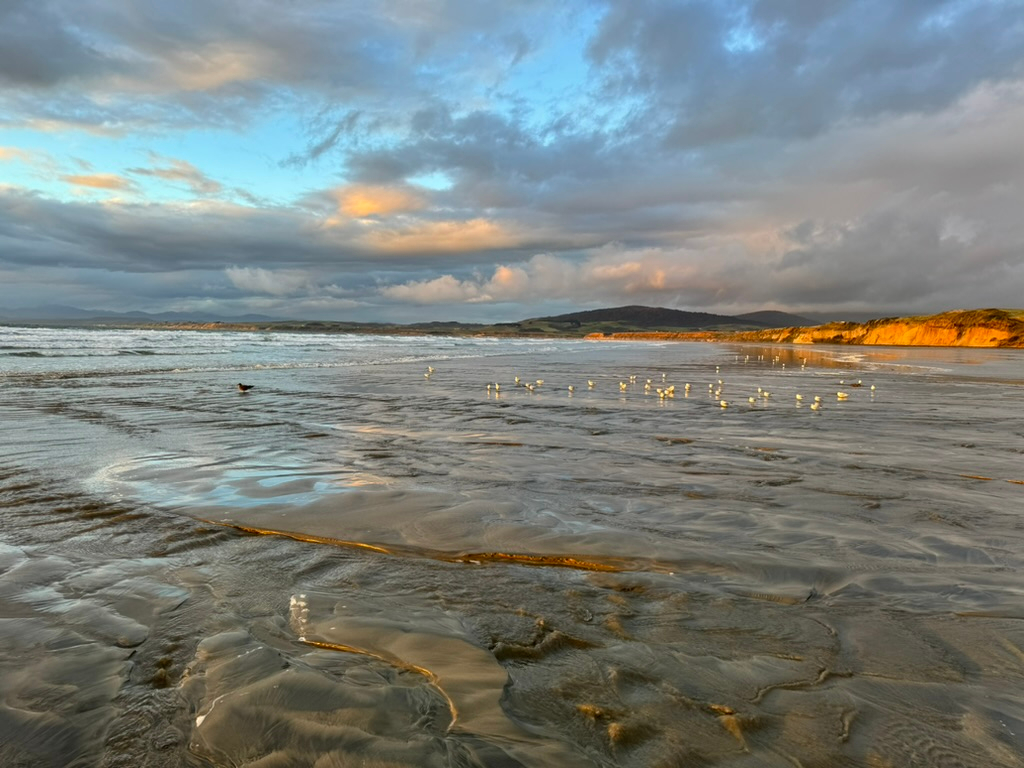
<point>245,387</point>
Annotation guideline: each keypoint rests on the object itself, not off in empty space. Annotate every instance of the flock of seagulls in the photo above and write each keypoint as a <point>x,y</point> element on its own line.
<point>716,389</point>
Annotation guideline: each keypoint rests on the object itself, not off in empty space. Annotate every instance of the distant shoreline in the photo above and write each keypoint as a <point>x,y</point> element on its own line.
<point>979,328</point>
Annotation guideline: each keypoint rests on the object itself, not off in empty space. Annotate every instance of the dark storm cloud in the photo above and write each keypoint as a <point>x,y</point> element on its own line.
<point>791,68</point>
<point>151,238</point>
<point>195,62</point>
<point>142,238</point>
<point>38,47</point>
<point>477,145</point>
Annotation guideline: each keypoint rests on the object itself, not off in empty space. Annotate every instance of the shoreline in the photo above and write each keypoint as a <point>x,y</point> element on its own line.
<point>979,328</point>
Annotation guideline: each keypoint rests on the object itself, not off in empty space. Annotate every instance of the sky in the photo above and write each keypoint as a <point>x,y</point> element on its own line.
<point>407,160</point>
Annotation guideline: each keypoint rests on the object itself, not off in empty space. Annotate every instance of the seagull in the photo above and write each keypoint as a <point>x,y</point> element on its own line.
<point>245,387</point>
<point>590,384</point>
<point>723,404</point>
<point>842,395</point>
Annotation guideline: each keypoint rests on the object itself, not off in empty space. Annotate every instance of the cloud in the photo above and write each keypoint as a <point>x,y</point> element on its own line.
<point>217,62</point>
<point>8,154</point>
<point>363,201</point>
<point>273,282</point>
<point>183,171</point>
<point>445,289</point>
<point>100,181</point>
<point>803,68</point>
<point>702,154</point>
<point>444,237</point>
<point>506,284</point>
<point>39,48</point>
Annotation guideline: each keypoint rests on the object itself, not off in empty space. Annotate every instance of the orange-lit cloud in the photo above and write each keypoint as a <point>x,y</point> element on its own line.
<point>362,201</point>
<point>100,181</point>
<point>444,237</point>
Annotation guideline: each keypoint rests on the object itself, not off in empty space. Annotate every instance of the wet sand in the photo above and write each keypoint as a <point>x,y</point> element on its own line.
<point>358,565</point>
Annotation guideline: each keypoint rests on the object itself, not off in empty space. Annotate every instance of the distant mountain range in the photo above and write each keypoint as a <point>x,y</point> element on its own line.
<point>60,312</point>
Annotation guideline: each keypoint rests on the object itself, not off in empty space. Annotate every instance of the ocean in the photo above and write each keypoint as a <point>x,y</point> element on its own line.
<point>360,562</point>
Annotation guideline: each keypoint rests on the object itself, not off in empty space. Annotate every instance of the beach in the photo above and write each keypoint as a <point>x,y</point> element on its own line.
<point>362,561</point>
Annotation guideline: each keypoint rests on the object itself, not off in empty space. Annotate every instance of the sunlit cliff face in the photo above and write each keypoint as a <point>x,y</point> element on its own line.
<point>979,328</point>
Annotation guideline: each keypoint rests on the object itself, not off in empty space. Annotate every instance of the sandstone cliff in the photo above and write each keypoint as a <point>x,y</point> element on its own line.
<point>962,328</point>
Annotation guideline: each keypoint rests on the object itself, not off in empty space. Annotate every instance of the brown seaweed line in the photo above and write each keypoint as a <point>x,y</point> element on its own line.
<point>611,565</point>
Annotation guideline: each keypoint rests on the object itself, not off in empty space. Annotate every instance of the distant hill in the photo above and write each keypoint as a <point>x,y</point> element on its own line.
<point>772,319</point>
<point>644,318</point>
